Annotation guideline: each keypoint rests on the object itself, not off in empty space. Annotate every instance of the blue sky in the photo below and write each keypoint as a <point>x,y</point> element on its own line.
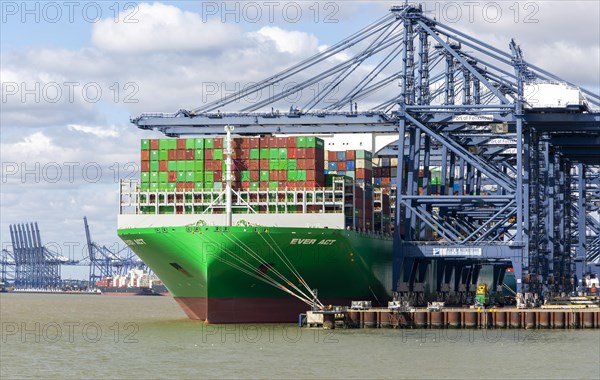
<point>161,63</point>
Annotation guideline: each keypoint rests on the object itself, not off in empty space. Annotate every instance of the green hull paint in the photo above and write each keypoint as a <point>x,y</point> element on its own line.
<point>339,263</point>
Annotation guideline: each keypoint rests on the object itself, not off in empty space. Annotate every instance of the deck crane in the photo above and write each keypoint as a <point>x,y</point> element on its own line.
<point>462,105</point>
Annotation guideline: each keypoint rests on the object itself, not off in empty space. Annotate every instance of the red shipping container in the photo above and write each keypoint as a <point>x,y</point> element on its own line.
<point>273,175</point>
<point>218,143</point>
<point>145,166</point>
<point>254,142</point>
<point>180,154</point>
<point>291,142</point>
<point>300,153</point>
<point>163,166</point>
<point>281,142</point>
<point>172,154</point>
<point>310,152</point>
<point>189,185</point>
<point>310,175</point>
<point>245,143</point>
<point>282,176</point>
<point>272,142</point>
<point>245,154</point>
<point>350,155</point>
<point>218,176</point>
<point>331,156</point>
<point>190,154</point>
<point>180,143</point>
<point>254,165</point>
<point>208,154</point>
<point>154,144</point>
<point>145,155</point>
<point>310,185</point>
<point>282,184</point>
<point>172,176</point>
<point>180,186</point>
<point>291,153</point>
<point>254,176</point>
<point>341,166</point>
<point>264,164</point>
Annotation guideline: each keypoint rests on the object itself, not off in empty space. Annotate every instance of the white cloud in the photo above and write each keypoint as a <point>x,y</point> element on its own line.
<point>160,27</point>
<point>293,42</point>
<point>96,131</point>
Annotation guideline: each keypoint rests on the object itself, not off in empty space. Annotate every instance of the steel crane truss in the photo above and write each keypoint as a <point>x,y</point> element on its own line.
<point>505,164</point>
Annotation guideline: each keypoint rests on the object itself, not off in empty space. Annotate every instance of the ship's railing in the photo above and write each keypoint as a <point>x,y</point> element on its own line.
<point>271,201</point>
<point>340,198</point>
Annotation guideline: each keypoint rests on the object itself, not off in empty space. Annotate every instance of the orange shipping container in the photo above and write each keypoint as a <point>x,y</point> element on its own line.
<point>145,155</point>
<point>154,144</point>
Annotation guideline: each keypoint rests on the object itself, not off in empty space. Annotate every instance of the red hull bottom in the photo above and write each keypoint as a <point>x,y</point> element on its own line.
<point>247,310</point>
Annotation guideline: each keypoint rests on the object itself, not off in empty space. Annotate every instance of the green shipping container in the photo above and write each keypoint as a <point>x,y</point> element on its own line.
<point>190,176</point>
<point>163,155</point>
<point>292,175</point>
<point>301,142</point>
<point>245,175</point>
<point>172,166</point>
<point>301,175</point>
<point>153,186</point>
<point>172,144</point>
<point>264,175</point>
<point>198,176</point>
<point>153,166</point>
<point>145,144</point>
<point>292,164</point>
<point>264,153</point>
<point>254,154</point>
<point>163,144</point>
<point>254,185</point>
<point>283,153</point>
<point>273,153</point>
<point>180,166</point>
<point>283,164</point>
<point>189,165</point>
<point>209,143</point>
<point>199,165</point>
<point>209,177</point>
<point>145,177</point>
<point>163,186</point>
<point>199,155</point>
<point>163,177</point>
<point>172,186</point>
<point>180,176</point>
<point>274,164</point>
<point>199,143</point>
<point>273,185</point>
<point>145,186</point>
<point>199,185</point>
<point>218,154</point>
<point>154,155</point>
<point>190,143</point>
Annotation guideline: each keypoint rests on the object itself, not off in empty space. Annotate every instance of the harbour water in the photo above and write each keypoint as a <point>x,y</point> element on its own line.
<point>83,336</point>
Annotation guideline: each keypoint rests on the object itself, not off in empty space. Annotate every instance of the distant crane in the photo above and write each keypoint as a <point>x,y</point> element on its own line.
<point>35,267</point>
<point>106,263</point>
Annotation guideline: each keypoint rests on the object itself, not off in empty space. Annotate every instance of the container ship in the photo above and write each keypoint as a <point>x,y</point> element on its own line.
<point>259,229</point>
<point>136,282</point>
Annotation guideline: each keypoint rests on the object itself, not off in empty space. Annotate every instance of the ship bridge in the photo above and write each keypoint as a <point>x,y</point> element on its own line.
<point>517,147</point>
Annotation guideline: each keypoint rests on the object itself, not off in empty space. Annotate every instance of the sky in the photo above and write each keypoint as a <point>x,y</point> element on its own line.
<point>73,73</point>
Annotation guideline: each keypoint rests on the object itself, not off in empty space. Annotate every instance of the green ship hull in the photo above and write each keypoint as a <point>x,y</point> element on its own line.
<point>219,274</point>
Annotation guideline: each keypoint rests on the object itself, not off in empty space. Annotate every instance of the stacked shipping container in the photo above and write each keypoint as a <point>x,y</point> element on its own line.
<point>263,163</point>
<point>258,163</point>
